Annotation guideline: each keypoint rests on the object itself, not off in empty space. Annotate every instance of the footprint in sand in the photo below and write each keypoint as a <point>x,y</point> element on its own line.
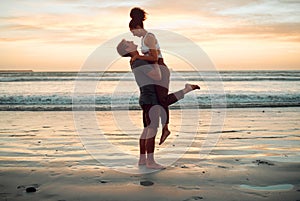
<point>146,183</point>
<point>103,181</point>
<point>194,198</point>
<point>28,189</point>
<point>259,162</point>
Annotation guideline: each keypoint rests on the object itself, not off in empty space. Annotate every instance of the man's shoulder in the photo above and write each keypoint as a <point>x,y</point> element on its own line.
<point>139,63</point>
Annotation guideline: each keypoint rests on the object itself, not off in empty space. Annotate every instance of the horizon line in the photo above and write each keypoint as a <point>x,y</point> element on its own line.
<point>122,71</point>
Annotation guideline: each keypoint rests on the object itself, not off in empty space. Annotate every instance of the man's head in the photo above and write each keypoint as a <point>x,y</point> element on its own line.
<point>126,48</point>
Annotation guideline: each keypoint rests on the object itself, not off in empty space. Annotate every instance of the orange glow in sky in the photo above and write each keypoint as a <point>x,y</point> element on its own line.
<point>59,35</point>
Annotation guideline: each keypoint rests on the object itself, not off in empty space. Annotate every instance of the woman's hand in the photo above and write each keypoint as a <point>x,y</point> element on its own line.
<point>135,57</point>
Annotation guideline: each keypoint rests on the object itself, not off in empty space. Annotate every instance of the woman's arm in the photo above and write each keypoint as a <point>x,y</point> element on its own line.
<point>150,41</point>
<point>153,56</point>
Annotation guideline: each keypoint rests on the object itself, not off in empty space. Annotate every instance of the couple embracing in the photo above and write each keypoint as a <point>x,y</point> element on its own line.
<point>153,78</point>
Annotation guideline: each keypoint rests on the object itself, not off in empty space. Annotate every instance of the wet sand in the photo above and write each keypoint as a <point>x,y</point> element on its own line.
<point>257,157</point>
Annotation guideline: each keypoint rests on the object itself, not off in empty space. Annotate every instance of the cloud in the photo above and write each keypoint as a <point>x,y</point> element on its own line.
<point>91,22</point>
<point>56,28</point>
<point>215,20</point>
<point>77,21</point>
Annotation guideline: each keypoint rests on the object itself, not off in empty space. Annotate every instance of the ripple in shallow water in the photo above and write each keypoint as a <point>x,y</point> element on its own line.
<point>279,187</point>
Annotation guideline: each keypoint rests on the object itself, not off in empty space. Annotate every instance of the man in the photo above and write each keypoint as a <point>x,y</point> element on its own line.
<point>145,75</point>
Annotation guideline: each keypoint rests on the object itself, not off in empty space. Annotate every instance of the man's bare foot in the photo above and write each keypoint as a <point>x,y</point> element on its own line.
<point>154,165</point>
<point>164,135</point>
<point>142,162</point>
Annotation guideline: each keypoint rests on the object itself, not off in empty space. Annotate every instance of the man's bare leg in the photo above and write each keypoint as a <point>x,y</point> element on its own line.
<point>151,163</point>
<point>143,159</point>
<point>150,146</point>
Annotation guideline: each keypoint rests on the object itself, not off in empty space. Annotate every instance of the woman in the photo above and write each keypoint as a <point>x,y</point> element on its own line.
<point>145,76</point>
<point>151,50</point>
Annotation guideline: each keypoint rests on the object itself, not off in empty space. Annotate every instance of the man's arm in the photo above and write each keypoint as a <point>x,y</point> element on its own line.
<point>151,70</point>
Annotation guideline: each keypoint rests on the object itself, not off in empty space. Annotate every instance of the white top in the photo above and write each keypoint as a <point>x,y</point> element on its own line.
<point>145,49</point>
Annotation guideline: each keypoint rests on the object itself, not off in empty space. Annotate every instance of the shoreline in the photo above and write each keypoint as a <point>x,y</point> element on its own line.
<point>10,108</point>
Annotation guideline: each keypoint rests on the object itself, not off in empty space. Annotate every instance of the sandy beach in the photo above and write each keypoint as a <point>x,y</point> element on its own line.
<point>257,157</point>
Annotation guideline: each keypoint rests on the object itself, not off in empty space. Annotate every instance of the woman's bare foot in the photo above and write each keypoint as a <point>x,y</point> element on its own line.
<point>154,165</point>
<point>190,87</point>
<point>165,133</point>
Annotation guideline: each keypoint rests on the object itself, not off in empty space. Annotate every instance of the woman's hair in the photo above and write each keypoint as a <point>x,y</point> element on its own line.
<point>121,49</point>
<point>137,15</point>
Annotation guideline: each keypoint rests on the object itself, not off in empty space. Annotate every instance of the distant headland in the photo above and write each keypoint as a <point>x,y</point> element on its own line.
<point>16,71</point>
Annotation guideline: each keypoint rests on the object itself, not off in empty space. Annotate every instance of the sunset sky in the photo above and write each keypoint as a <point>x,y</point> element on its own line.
<point>59,35</point>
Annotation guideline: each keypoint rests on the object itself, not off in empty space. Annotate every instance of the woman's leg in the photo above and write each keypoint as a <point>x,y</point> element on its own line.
<point>162,90</point>
<point>165,99</point>
<point>162,94</point>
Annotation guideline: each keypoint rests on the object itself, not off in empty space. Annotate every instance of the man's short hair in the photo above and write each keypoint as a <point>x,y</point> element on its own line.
<point>121,48</point>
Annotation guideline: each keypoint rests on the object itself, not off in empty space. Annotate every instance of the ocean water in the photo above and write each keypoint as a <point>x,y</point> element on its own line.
<point>56,91</point>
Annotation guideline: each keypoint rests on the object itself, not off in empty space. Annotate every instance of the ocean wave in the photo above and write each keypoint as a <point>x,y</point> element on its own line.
<point>130,102</point>
<point>53,91</point>
<point>225,76</point>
